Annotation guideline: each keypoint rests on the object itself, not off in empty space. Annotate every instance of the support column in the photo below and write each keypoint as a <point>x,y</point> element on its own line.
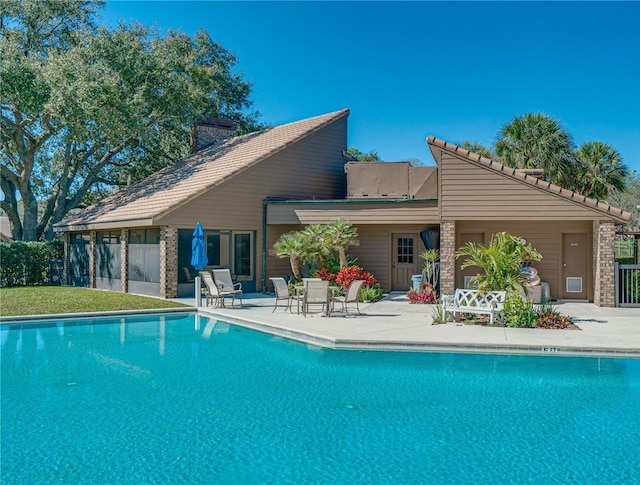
<point>168,262</point>
<point>447,257</point>
<point>604,233</point>
<point>67,257</point>
<point>124,260</point>
<point>92,259</point>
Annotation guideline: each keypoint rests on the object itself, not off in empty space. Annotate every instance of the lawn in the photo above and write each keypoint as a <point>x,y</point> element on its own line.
<point>40,300</point>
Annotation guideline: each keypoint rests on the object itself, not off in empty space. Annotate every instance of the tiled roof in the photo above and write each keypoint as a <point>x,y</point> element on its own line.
<point>521,176</point>
<point>174,186</point>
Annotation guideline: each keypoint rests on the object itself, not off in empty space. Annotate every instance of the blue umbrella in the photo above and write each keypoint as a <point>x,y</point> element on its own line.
<point>198,248</point>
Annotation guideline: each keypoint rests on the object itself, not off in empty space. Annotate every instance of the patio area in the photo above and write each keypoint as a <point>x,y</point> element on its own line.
<point>394,324</point>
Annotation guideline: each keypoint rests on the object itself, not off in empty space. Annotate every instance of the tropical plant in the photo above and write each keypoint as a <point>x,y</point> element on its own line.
<point>426,294</point>
<point>332,263</point>
<point>479,148</point>
<point>340,235</point>
<point>292,245</point>
<point>501,262</point>
<point>601,171</point>
<point>318,247</point>
<point>325,275</point>
<point>519,312</point>
<point>346,275</point>
<point>371,156</point>
<point>537,140</point>
<point>438,314</point>
<point>370,293</point>
<point>550,318</point>
<point>430,256</point>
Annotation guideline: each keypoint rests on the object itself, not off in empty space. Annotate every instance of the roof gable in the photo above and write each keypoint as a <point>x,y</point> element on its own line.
<point>520,176</point>
<point>172,187</point>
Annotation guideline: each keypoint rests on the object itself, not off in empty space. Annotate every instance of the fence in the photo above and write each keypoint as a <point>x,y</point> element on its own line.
<point>627,285</point>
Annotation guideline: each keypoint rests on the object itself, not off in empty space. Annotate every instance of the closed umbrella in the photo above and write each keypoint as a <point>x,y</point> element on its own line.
<point>198,249</point>
<point>198,257</point>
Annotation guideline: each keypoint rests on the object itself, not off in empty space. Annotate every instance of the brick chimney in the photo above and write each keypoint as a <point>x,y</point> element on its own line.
<point>210,131</point>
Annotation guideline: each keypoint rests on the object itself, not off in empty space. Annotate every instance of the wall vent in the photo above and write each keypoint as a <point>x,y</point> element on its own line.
<point>574,285</point>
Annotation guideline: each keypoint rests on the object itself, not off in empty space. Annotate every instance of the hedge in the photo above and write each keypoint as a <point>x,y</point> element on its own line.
<point>27,263</point>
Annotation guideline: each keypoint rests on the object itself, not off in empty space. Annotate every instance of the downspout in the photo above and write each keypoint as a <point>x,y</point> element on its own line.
<point>264,246</point>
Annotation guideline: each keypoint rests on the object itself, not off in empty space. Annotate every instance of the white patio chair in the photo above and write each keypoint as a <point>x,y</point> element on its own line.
<point>282,292</point>
<point>316,293</point>
<point>351,296</point>
<point>222,277</point>
<point>213,292</point>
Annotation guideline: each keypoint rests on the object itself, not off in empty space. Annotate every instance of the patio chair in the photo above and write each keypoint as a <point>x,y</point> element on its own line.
<point>299,292</point>
<point>187,274</point>
<point>316,293</point>
<point>351,296</point>
<point>225,283</point>
<point>213,292</point>
<point>282,292</point>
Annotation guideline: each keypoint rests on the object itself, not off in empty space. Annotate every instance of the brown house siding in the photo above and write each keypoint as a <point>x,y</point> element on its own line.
<point>470,192</point>
<point>312,167</point>
<point>545,236</point>
<point>357,213</point>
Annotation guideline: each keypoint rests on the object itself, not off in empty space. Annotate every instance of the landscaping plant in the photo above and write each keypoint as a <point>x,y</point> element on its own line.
<point>501,262</point>
<point>426,294</point>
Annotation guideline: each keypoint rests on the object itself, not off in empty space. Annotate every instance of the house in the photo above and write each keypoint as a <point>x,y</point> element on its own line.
<point>248,190</point>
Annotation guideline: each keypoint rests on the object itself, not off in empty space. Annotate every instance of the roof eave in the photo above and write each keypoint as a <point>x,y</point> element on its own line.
<point>436,144</point>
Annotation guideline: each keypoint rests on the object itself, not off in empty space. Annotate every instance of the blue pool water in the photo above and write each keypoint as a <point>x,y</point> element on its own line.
<point>184,400</point>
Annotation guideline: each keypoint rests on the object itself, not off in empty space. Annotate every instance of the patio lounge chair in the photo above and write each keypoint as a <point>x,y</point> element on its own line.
<point>316,293</point>
<point>282,292</point>
<point>351,296</point>
<point>222,277</point>
<point>213,293</point>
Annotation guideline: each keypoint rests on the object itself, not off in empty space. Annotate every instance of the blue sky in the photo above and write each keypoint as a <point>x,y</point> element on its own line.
<point>455,70</point>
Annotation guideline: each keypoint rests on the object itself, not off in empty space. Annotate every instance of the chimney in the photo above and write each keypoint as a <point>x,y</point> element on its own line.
<point>210,131</point>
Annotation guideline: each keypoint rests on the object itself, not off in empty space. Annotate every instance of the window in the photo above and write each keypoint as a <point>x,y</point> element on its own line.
<point>144,236</point>
<point>242,249</point>
<point>405,250</point>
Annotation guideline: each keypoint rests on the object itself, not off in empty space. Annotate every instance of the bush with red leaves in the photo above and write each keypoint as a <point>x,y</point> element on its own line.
<point>346,275</point>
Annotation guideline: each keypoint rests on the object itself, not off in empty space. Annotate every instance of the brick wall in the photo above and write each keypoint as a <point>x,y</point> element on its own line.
<point>168,262</point>
<point>447,257</point>
<point>604,263</point>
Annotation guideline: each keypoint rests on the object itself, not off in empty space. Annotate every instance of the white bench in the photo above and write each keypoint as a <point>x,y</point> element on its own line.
<point>472,301</point>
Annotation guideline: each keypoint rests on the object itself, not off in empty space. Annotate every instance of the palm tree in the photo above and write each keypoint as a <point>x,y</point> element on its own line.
<point>601,170</point>
<point>479,148</point>
<point>501,261</point>
<point>340,235</point>
<point>292,245</point>
<point>536,140</point>
<point>318,248</point>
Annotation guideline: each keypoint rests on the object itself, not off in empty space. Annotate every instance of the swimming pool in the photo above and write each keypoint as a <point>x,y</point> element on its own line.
<point>180,399</point>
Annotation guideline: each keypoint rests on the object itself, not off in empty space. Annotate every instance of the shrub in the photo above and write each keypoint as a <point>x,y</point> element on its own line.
<point>519,312</point>
<point>549,317</point>
<point>27,263</point>
<point>325,274</point>
<point>426,294</point>
<point>370,293</point>
<point>346,275</point>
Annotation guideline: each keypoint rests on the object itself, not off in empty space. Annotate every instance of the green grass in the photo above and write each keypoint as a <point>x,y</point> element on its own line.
<point>41,300</point>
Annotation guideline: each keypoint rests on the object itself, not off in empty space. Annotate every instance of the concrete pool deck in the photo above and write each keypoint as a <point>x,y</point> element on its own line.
<point>393,324</point>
